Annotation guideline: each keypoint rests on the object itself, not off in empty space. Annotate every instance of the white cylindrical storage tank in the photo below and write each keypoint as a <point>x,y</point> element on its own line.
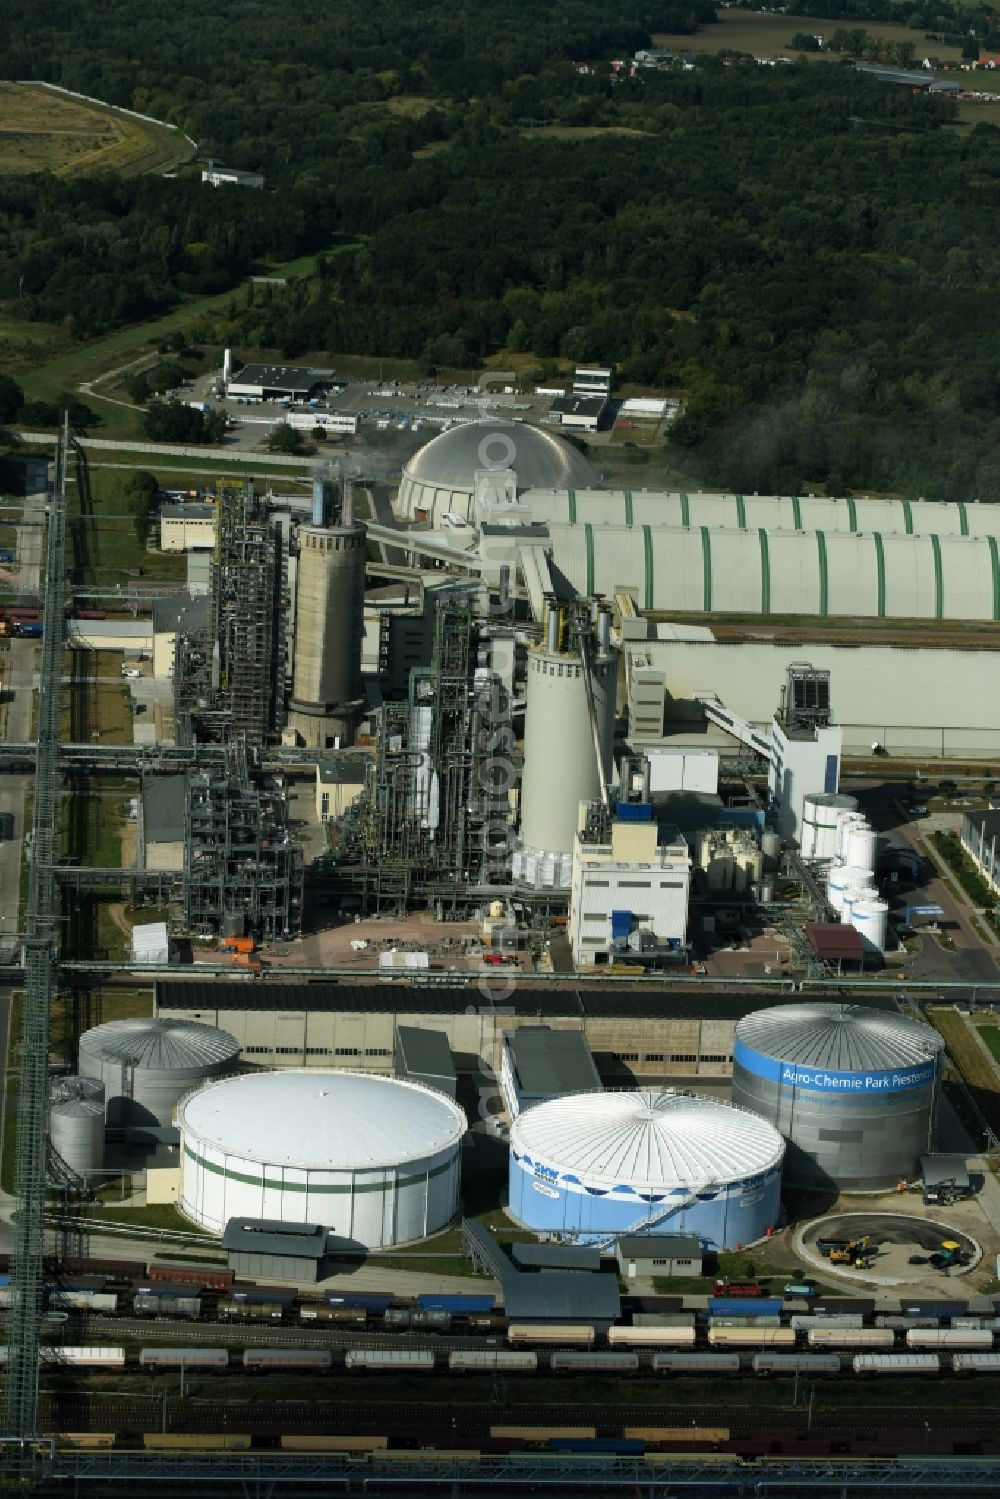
<point>76,1123</point>
<point>821,815</point>
<point>329,620</point>
<point>147,1066</point>
<point>847,821</point>
<point>835,886</point>
<point>374,1159</point>
<point>870,919</point>
<point>850,1088</point>
<point>560,762</point>
<point>590,1165</point>
<point>859,845</point>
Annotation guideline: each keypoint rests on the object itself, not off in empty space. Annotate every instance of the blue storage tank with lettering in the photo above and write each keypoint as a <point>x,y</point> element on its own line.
<point>850,1088</point>
<point>594,1166</point>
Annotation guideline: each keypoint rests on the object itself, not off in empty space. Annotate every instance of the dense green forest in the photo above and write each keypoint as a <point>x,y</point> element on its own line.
<point>809,256</point>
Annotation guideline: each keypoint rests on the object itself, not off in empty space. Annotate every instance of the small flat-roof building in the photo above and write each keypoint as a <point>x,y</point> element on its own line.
<point>278,382</point>
<point>582,412</point>
<point>835,942</point>
<point>163,821</point>
<point>424,1056</point>
<point>338,784</point>
<point>538,1063</point>
<point>219,176</point>
<point>576,1258</point>
<point>187,528</point>
<point>646,1255</point>
<point>275,1250</point>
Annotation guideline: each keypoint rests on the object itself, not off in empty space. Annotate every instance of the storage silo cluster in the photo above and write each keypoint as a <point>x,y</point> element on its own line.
<point>594,1166</point>
<point>147,1066</point>
<point>851,1089</point>
<point>565,753</point>
<point>76,1123</point>
<point>732,859</point>
<point>374,1159</point>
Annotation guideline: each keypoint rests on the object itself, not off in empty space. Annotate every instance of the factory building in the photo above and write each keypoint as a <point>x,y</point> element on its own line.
<point>147,1066</point>
<point>187,528</point>
<point>338,785</point>
<point>162,812</point>
<point>272,1250</point>
<point>176,615</point>
<point>852,1092</point>
<point>568,738</point>
<point>277,382</point>
<point>580,413</point>
<point>598,1166</point>
<point>374,1160</point>
<point>641,1256</point>
<point>539,1063</point>
<point>630,884</point>
<point>440,479</point>
<point>327,697</point>
<point>909,699</point>
<point>980,834</point>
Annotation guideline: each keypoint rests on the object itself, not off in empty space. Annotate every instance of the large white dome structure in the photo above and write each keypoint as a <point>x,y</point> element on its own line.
<point>440,478</point>
<point>372,1158</point>
<point>598,1165</point>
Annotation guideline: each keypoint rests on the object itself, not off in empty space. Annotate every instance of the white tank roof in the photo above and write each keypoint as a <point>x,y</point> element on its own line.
<point>161,1045</point>
<point>312,1118</point>
<point>539,459</point>
<point>647,1139</point>
<point>844,1038</point>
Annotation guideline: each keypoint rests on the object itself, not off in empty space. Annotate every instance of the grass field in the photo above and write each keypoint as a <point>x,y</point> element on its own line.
<point>990,1035</point>
<point>576,132</point>
<point>42,131</point>
<point>769,35</point>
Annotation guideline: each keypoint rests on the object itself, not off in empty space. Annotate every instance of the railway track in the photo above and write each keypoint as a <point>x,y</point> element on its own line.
<point>154,1331</point>
<point>266,1416</point>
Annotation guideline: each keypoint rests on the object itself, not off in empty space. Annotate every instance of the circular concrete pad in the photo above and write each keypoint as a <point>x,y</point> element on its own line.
<point>893,1239</point>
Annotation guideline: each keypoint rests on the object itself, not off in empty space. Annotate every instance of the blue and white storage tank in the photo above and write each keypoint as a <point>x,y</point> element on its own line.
<point>851,1089</point>
<point>594,1165</point>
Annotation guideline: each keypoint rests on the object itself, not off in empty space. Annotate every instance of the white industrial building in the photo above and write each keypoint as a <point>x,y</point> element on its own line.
<point>187,528</point>
<point>980,836</point>
<point>910,700</point>
<point>277,382</point>
<point>629,889</point>
<point>374,1160</point>
<point>217,175</point>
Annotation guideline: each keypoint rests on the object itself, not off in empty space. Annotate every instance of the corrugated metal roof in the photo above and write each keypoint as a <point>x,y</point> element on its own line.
<point>547,1061</point>
<point>266,1236</point>
<point>163,808</point>
<point>662,1246</point>
<point>539,459</point>
<point>557,1256</point>
<point>322,1120</point>
<point>835,941</point>
<point>161,1045</point>
<point>646,1140</point>
<point>562,1296</point>
<point>844,1038</point>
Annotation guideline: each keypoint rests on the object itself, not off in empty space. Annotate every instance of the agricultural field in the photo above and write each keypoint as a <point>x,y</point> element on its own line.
<point>42,131</point>
<point>768,36</point>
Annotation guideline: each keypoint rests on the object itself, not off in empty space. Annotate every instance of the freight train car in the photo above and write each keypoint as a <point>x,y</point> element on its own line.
<point>751,1337</point>
<point>740,1306</point>
<point>346,1316</point>
<point>592,1361</point>
<point>651,1337</point>
<point>492,1360</point>
<point>976,1363</point>
<point>390,1360</point>
<point>896,1363</point>
<point>157,1359</point>
<point>850,1337</point>
<point>796,1363</point>
<point>187,1308</point>
<point>978,1339</point>
<point>550,1333</point>
<point>181,1273</point>
<point>696,1363</point>
<point>287,1360</point>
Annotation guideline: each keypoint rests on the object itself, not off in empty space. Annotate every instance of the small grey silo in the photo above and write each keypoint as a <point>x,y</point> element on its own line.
<point>147,1066</point>
<point>76,1123</point>
<point>852,1090</point>
<point>329,610</point>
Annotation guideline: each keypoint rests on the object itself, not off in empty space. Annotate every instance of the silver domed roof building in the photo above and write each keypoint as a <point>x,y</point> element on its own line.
<point>440,478</point>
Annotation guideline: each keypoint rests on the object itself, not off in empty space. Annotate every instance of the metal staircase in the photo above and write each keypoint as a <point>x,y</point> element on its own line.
<point>665,1211</point>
